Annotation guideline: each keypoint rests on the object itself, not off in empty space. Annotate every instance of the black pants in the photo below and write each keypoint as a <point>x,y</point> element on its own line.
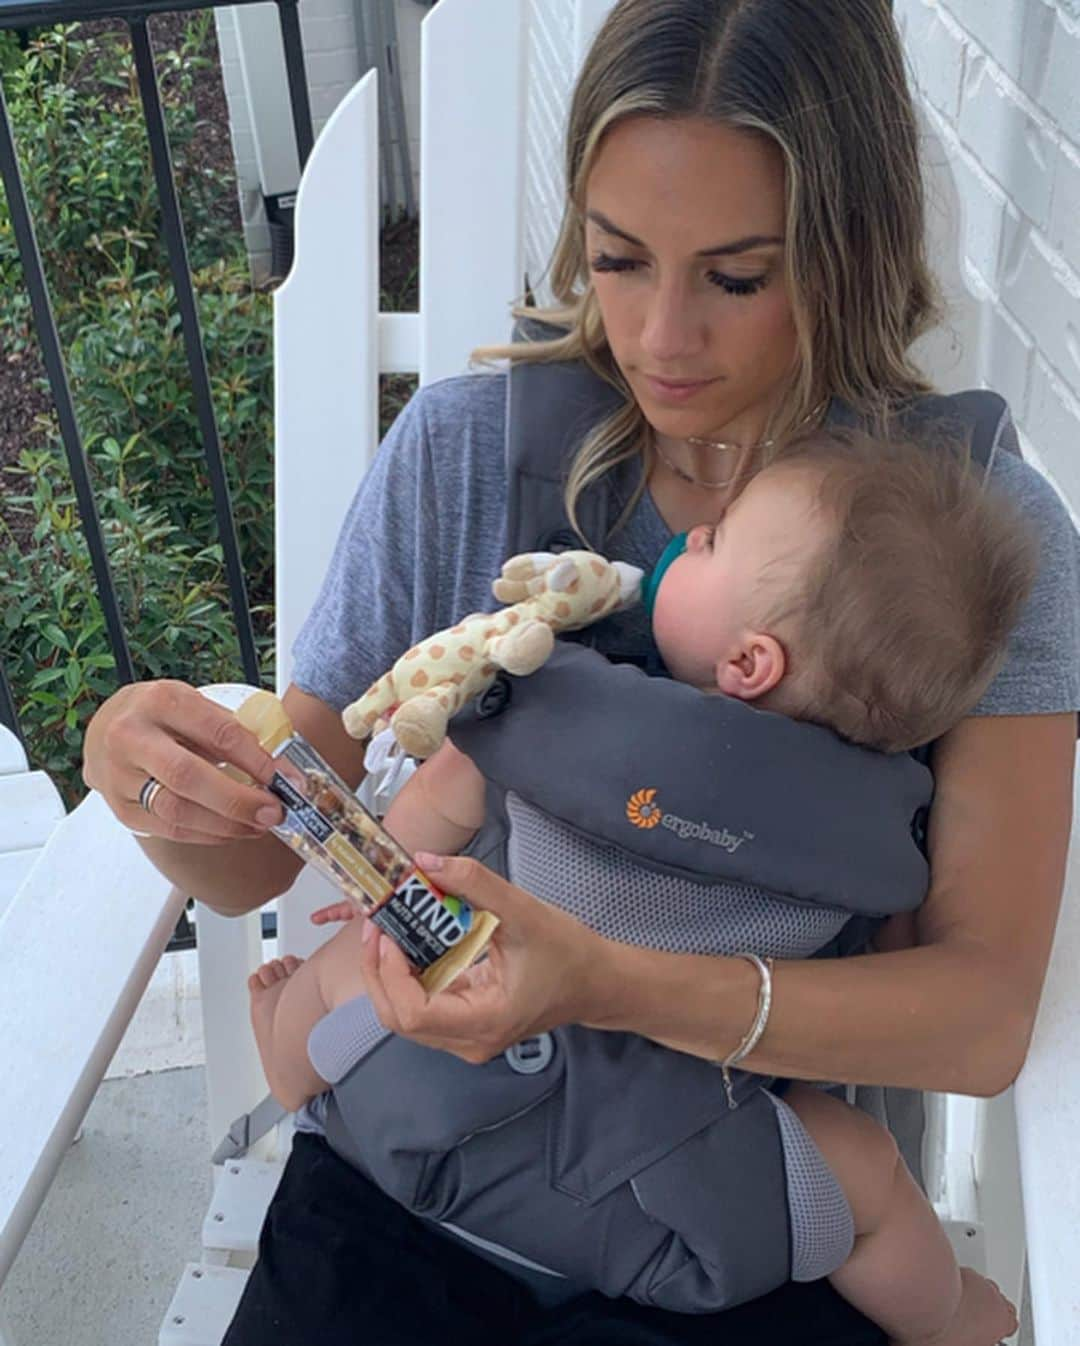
<point>341,1264</point>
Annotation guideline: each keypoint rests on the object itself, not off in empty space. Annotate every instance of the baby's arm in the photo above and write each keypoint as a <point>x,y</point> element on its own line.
<point>288,997</point>
<point>441,806</point>
<point>438,809</point>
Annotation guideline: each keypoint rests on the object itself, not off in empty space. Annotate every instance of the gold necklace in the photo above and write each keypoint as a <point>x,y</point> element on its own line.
<point>726,446</point>
<point>686,476</point>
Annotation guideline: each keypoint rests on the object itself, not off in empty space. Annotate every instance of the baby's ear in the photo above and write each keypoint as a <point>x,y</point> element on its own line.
<point>754,669</point>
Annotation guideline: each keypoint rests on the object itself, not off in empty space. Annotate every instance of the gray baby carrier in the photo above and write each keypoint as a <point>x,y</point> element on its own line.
<point>603,1156</point>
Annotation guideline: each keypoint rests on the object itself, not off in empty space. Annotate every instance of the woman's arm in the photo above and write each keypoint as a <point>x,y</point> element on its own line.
<point>954,1013</point>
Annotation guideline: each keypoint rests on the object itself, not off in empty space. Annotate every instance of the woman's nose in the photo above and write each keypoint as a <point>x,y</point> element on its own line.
<point>671,331</point>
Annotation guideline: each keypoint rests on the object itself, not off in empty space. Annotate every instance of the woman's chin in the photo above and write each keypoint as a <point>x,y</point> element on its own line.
<point>686,423</point>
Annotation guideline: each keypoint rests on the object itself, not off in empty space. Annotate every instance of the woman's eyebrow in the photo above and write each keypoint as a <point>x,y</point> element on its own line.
<point>721,249</point>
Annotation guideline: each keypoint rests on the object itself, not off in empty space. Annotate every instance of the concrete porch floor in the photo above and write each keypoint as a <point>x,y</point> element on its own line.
<point>123,1216</point>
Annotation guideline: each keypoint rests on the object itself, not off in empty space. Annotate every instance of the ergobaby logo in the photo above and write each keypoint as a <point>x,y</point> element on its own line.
<point>643,810</point>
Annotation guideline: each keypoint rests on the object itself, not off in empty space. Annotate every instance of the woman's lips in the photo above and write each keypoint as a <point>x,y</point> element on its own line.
<point>675,390</point>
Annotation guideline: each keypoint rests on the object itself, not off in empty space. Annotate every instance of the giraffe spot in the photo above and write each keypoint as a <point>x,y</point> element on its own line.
<point>512,618</point>
<point>491,631</point>
<point>444,702</point>
<point>467,652</point>
<point>413,653</point>
<point>420,679</point>
<point>457,630</point>
<point>573,586</point>
<point>598,567</point>
<point>600,603</point>
<point>488,669</point>
<point>437,651</point>
<point>562,609</point>
<point>457,678</point>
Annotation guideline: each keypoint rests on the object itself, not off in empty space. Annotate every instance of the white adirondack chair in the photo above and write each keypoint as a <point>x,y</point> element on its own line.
<point>64,1001</point>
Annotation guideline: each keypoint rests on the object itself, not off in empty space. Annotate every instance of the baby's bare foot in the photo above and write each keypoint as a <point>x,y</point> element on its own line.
<point>266,985</point>
<point>983,1317</point>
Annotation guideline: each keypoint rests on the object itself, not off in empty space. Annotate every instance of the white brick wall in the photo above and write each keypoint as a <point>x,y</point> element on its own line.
<point>1002,80</point>
<point>551,67</point>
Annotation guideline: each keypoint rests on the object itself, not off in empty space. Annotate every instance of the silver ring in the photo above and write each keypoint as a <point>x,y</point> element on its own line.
<point>149,792</point>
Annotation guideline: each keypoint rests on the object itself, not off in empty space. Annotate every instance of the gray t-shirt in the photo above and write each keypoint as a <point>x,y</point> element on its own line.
<point>426,535</point>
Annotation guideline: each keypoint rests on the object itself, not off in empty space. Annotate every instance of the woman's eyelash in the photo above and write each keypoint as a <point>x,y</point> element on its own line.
<point>605,262</point>
<point>736,285</point>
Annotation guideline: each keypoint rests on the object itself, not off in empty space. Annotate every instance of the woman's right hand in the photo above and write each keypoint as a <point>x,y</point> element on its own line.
<point>171,732</point>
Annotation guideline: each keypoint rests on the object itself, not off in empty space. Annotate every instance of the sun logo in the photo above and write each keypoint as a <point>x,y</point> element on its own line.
<point>641,809</point>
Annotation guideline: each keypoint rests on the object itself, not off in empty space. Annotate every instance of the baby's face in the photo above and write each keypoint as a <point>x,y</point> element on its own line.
<point>713,598</point>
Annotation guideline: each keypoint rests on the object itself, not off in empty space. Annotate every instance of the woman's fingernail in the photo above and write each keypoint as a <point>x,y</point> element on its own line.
<point>367,932</point>
<point>432,863</point>
<point>269,815</point>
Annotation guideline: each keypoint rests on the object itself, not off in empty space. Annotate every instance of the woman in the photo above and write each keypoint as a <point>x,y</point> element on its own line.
<point>742,244</point>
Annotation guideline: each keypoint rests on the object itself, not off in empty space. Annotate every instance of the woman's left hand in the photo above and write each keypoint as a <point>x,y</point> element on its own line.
<point>541,971</point>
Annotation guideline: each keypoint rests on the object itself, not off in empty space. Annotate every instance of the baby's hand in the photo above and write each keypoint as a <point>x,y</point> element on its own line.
<point>337,911</point>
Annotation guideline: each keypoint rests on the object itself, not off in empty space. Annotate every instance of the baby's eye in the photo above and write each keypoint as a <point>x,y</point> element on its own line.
<point>738,285</point>
<point>605,262</point>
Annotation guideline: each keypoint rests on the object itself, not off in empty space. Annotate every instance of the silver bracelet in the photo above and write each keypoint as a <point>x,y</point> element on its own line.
<point>757,1028</point>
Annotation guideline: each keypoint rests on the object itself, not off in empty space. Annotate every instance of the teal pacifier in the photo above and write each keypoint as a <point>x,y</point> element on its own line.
<point>650,586</point>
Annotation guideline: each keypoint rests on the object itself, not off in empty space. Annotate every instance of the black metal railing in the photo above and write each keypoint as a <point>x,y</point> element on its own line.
<point>26,14</point>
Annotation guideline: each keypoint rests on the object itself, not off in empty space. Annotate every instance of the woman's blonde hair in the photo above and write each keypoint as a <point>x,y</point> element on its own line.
<point>824,81</point>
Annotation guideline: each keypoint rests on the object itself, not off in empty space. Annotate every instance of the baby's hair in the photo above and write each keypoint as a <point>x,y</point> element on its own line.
<point>902,618</point>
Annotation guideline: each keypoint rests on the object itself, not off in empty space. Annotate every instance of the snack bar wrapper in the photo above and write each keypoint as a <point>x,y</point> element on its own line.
<point>328,826</point>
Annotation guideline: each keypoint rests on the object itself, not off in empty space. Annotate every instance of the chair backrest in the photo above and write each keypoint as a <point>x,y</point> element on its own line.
<point>30,807</point>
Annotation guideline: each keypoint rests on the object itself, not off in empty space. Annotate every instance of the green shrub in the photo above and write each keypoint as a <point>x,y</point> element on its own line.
<point>78,124</point>
<point>173,597</point>
<point>82,142</point>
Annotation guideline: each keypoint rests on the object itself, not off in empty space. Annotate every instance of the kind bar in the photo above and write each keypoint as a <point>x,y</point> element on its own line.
<point>328,826</point>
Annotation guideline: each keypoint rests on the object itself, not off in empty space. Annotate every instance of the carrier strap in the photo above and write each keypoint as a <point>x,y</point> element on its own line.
<point>551,407</point>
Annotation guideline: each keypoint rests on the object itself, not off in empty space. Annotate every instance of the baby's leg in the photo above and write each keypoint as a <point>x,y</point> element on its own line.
<point>286,1002</point>
<point>901,1272</point>
<point>265,986</point>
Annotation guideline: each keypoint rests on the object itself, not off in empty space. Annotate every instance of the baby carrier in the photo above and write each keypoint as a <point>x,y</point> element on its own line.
<point>603,1156</point>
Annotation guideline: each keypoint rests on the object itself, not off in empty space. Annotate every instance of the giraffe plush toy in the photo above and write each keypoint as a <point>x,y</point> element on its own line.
<point>432,681</point>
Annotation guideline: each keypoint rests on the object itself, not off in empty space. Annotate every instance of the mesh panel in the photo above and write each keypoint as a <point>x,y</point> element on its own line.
<point>343,1037</point>
<point>622,900</point>
<point>822,1229</point>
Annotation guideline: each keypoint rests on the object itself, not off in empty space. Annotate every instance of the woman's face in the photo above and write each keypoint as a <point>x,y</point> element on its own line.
<point>685,242</point>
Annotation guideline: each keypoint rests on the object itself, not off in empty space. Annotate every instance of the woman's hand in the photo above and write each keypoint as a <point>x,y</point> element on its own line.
<point>170,731</point>
<point>541,971</point>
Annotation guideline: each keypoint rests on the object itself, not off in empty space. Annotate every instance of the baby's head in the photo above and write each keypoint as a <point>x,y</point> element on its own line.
<point>864,584</point>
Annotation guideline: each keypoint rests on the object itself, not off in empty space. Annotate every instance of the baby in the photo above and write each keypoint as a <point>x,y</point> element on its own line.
<point>863,585</point>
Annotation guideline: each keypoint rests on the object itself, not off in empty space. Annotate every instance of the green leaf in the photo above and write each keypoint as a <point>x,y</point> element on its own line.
<point>58,638</point>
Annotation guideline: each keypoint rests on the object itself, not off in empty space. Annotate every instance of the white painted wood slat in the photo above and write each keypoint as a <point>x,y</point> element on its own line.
<point>1048,1124</point>
<point>30,807</point>
<point>65,1000</point>
<point>326,364</point>
<point>12,757</point>
<point>14,867</point>
<point>472,117</point>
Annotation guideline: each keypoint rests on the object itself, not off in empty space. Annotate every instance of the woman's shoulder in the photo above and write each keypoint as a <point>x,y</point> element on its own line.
<point>470,403</point>
<point>1041,673</point>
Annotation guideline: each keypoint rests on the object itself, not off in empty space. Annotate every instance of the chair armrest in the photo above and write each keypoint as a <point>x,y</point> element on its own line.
<point>78,943</point>
<point>1048,1123</point>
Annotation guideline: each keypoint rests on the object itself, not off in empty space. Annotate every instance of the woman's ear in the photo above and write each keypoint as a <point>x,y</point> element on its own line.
<point>754,669</point>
